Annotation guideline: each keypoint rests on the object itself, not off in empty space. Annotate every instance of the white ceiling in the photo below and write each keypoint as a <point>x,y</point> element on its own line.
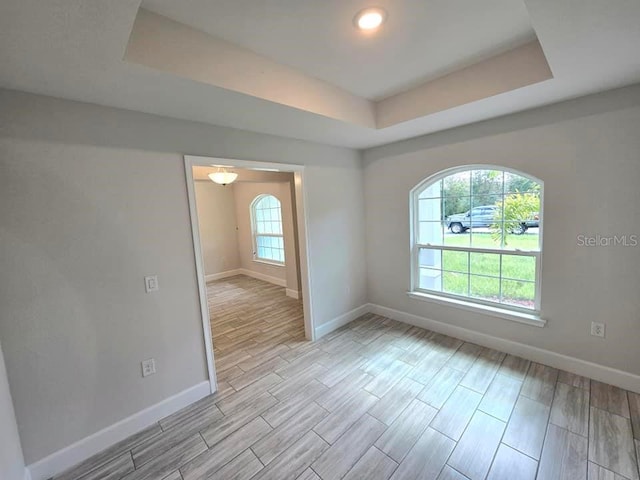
<point>74,49</point>
<point>421,40</point>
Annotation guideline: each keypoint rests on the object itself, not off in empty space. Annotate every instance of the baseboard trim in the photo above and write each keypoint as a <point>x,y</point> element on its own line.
<point>265,278</point>
<point>221,275</point>
<point>340,321</point>
<point>612,376</point>
<point>27,474</point>
<point>77,452</point>
<point>293,294</point>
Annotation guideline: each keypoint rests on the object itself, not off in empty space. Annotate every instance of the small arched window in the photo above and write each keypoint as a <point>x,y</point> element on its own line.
<point>266,221</point>
<point>477,237</point>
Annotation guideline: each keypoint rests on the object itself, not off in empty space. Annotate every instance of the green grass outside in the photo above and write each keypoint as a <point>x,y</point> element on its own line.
<point>518,272</point>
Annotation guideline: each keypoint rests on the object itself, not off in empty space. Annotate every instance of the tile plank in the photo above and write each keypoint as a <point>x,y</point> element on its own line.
<point>406,430</point>
<point>396,400</point>
<point>336,461</point>
<point>527,427</point>
<point>343,390</point>
<point>464,357</point>
<point>501,397</point>
<point>441,386</point>
<point>288,432</point>
<point>243,467</point>
<point>385,380</point>
<point>634,411</point>
<point>510,464</point>
<point>110,453</point>
<point>453,417</point>
<point>373,465</point>
<point>296,459</point>
<point>283,410</point>
<point>481,374</point>
<point>609,398</point>
<point>341,419</point>
<point>427,457</point>
<point>515,367</point>
<point>475,451</point>
<point>228,424</point>
<point>611,443</point>
<point>574,380</point>
<point>596,472</point>
<point>449,473</point>
<point>238,382</point>
<point>113,470</point>
<point>540,383</point>
<point>209,462</point>
<point>570,409</point>
<point>564,456</point>
<point>170,460</point>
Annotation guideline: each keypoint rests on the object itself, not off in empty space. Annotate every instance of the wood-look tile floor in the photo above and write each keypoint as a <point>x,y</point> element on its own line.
<point>376,399</point>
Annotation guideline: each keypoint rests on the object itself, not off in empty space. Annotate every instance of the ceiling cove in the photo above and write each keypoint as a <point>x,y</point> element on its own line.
<point>167,45</point>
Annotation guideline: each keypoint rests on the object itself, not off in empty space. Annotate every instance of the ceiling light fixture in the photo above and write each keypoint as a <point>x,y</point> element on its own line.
<point>370,19</point>
<point>222,176</point>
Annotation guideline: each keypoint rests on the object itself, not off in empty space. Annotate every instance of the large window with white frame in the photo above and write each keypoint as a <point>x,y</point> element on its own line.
<point>477,237</point>
<point>266,220</point>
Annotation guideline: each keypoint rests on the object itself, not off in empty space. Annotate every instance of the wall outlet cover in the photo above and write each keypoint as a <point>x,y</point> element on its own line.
<point>148,367</point>
<point>597,329</point>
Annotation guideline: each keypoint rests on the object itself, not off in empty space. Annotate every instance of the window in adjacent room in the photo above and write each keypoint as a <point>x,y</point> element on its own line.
<point>266,220</point>
<point>476,237</point>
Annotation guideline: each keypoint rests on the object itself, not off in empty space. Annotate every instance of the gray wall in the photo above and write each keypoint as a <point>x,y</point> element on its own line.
<point>11,460</point>
<point>216,206</point>
<point>87,208</point>
<point>587,152</point>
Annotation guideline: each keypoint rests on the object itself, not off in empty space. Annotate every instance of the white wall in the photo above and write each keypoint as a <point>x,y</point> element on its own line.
<point>217,221</point>
<point>87,208</point>
<point>245,193</point>
<point>11,460</point>
<point>587,152</point>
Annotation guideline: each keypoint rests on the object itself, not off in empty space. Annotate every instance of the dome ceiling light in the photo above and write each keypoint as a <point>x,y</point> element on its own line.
<point>222,176</point>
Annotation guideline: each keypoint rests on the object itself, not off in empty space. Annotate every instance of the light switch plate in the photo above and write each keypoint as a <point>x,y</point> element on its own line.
<point>151,283</point>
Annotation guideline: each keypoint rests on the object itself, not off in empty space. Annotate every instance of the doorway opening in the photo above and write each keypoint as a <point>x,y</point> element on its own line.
<point>250,247</point>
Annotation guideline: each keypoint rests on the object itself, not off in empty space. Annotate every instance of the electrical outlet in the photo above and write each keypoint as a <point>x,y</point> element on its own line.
<point>148,367</point>
<point>597,329</point>
<point>151,283</point>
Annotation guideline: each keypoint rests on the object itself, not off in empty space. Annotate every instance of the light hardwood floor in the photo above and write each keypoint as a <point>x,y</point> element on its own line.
<point>376,399</point>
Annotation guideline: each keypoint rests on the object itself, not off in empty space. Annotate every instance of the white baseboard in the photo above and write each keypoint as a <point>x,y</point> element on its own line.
<point>75,453</point>
<point>340,321</point>
<point>221,275</point>
<point>612,376</point>
<point>281,282</point>
<point>27,474</point>
<point>293,294</point>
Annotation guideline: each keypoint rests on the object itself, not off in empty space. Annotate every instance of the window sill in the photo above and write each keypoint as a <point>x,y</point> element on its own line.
<point>267,262</point>
<point>532,319</point>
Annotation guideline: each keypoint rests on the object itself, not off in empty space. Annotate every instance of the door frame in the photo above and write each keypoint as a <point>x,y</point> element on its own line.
<point>191,161</point>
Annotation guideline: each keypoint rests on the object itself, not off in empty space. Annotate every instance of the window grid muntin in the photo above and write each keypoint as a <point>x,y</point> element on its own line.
<point>468,274</point>
<point>502,250</point>
<point>266,219</point>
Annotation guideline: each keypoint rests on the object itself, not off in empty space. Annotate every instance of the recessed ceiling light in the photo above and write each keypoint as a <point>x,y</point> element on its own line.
<point>370,19</point>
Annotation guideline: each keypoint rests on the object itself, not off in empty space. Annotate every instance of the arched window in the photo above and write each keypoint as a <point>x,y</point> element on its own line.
<point>477,237</point>
<point>266,221</point>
